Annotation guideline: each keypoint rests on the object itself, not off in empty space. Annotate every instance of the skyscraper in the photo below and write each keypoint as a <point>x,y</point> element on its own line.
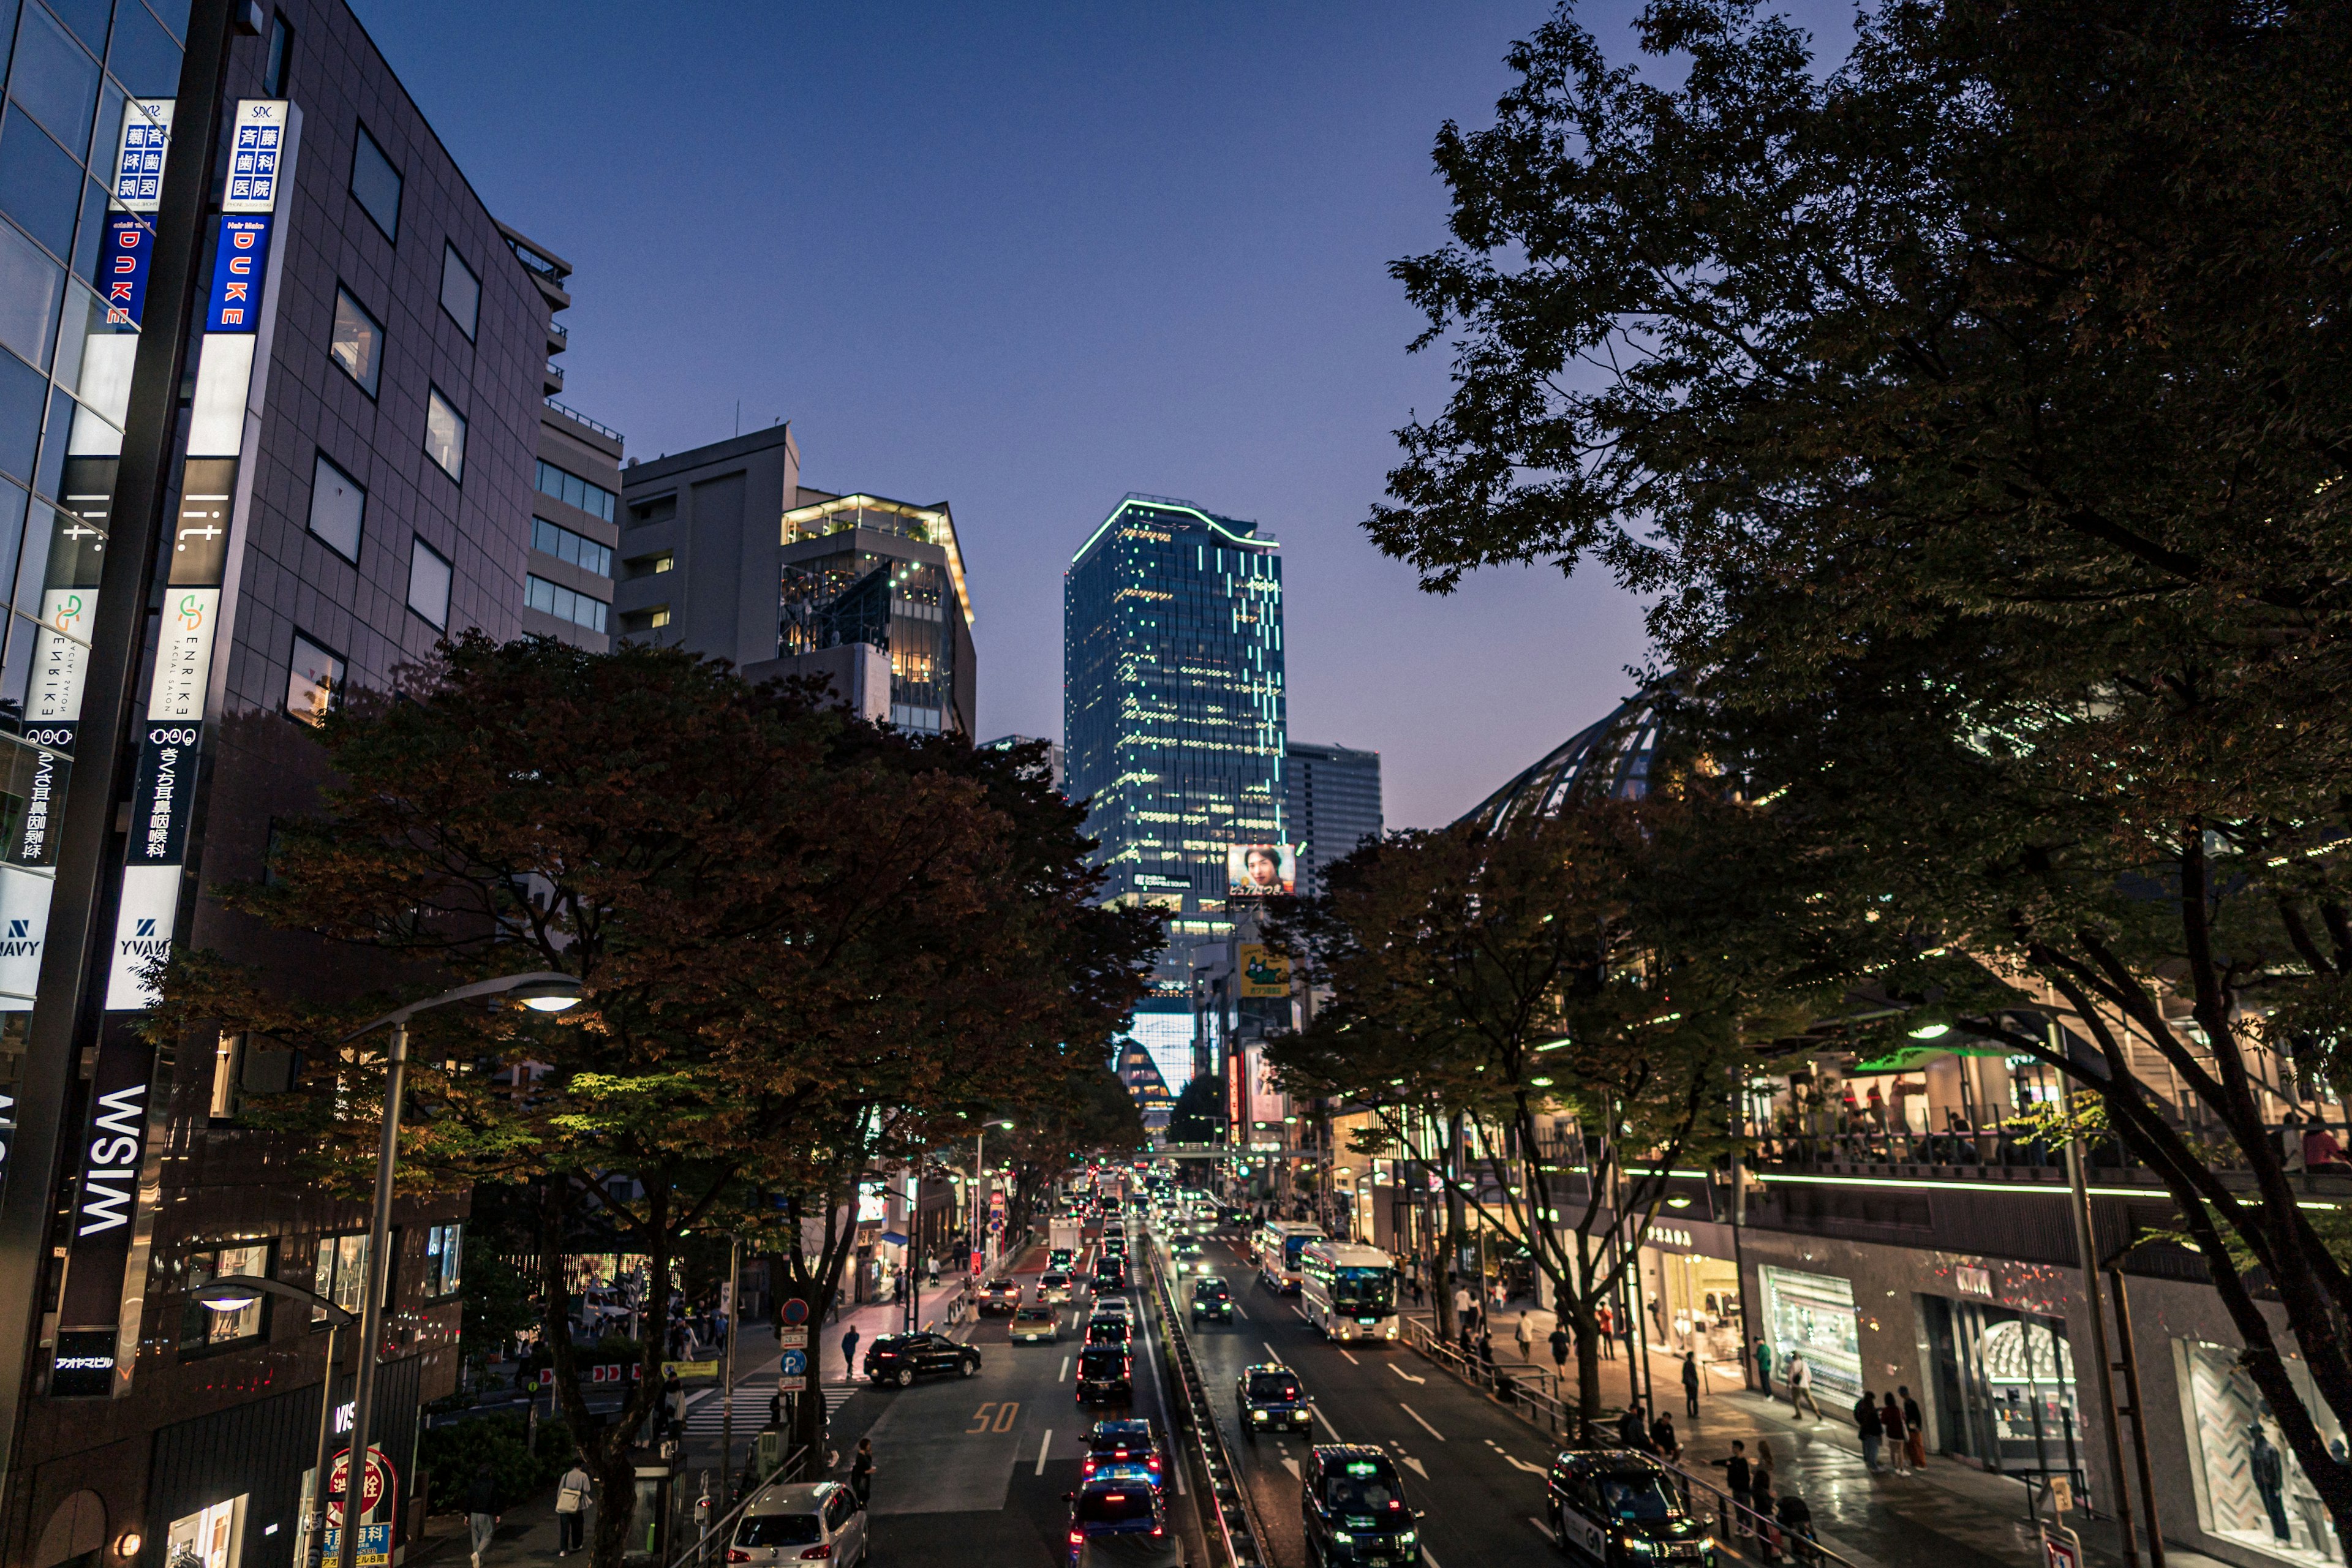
<point>1173,726</point>
<point>1333,804</point>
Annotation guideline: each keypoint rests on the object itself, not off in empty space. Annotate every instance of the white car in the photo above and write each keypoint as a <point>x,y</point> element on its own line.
<point>789,1522</point>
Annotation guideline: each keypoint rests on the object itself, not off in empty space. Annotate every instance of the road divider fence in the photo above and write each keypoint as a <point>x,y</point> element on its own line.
<point>1233,1530</point>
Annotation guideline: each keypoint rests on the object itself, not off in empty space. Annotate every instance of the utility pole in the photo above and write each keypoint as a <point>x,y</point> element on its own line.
<point>2084,1244</point>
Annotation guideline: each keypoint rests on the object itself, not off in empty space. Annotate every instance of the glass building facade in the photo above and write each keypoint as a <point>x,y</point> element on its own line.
<point>1172,703</point>
<point>860,569</point>
<point>1334,804</point>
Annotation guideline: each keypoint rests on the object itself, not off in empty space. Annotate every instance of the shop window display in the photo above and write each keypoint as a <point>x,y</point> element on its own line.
<point>1814,1313</point>
<point>207,1538</point>
<point>2254,1493</point>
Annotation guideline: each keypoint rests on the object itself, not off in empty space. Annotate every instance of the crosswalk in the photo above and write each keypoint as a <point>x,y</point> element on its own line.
<point>704,1416</point>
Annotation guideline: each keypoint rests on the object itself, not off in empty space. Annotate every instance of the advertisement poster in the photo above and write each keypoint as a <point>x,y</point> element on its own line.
<point>1261,870</point>
<point>1264,972</point>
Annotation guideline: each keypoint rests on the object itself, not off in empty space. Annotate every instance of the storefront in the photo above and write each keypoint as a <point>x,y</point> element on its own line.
<point>1814,1313</point>
<point>2250,1489</point>
<point>2003,1387</point>
<point>1691,1287</point>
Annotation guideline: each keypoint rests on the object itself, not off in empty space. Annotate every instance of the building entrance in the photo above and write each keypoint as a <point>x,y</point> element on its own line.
<point>2003,1385</point>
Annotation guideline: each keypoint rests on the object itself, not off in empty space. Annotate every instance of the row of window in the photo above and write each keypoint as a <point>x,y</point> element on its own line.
<point>356,345</point>
<point>338,516</point>
<point>565,545</point>
<point>338,1275</point>
<point>572,491</point>
<point>554,599</point>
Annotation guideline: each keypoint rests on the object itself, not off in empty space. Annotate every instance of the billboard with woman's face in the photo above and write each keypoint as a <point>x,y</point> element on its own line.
<point>1261,870</point>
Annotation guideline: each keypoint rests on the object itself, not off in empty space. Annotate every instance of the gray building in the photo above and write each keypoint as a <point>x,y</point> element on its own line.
<point>1334,801</point>
<point>725,552</point>
<point>347,476</point>
<point>574,512</point>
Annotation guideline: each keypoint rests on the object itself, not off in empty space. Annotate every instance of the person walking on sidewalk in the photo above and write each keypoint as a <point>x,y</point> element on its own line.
<point>1608,1330</point>
<point>1737,1474</point>
<point>1527,1337</point>
<point>572,1494</point>
<point>1871,1429</point>
<point>1800,1383</point>
<point>861,1473</point>
<point>1560,1349</point>
<point>1764,1366</point>
<point>849,1353</point>
<point>1690,1383</point>
<point>1898,1446</point>
<point>1915,1429</point>
<point>482,1511</point>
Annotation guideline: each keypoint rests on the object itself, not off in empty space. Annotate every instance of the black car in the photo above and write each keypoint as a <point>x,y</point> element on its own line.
<point>1110,1274</point>
<point>1617,1508</point>
<point>1352,1505</point>
<point>1106,1375</point>
<point>1270,1400</point>
<point>1234,1220</point>
<point>1122,1519</point>
<point>1211,1300</point>
<point>1114,1447</point>
<point>901,1358</point>
<point>1109,1329</point>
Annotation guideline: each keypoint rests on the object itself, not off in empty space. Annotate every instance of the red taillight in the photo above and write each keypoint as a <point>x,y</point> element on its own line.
<point>816,1553</point>
<point>1078,1538</point>
<point>1114,1497</point>
<point>737,1554</point>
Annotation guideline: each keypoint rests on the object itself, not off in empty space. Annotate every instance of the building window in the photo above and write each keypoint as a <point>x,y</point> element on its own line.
<point>661,509</point>
<point>444,1260</point>
<point>316,686</point>
<point>281,44</point>
<point>461,291</point>
<point>554,599</point>
<point>651,620</point>
<point>337,505</point>
<point>227,1055</point>
<point>358,341</point>
<point>428,583</point>
<point>572,491</point>
<point>375,184</point>
<point>651,565</point>
<point>206,1325</point>
<point>444,436</point>
<point>209,1538</point>
<point>2253,1493</point>
<point>578,549</point>
<point>341,1274</point>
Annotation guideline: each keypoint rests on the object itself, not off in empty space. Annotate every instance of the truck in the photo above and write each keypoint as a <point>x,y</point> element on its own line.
<point>1064,1231</point>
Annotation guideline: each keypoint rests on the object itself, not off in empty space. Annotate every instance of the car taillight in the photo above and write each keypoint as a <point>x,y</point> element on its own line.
<point>816,1553</point>
<point>1078,1538</point>
<point>737,1554</point>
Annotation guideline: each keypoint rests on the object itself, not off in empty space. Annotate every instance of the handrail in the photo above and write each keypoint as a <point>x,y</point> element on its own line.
<point>1230,1497</point>
<point>571,413</point>
<point>704,1540</point>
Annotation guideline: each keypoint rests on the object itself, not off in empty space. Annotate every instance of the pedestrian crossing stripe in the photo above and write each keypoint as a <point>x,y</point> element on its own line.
<point>704,1418</point>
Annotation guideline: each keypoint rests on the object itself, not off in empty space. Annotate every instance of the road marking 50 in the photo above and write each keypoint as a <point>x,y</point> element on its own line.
<point>1006,1414</point>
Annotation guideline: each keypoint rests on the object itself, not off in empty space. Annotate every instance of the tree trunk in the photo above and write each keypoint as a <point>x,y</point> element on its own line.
<point>1588,1374</point>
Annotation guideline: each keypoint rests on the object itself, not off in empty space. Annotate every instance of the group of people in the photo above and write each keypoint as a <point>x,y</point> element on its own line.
<point>1779,1522</point>
<point>1893,1431</point>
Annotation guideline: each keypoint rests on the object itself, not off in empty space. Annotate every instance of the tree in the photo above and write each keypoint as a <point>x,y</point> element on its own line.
<point>1199,1116</point>
<point>1975,414</point>
<point>802,940</point>
<point>1582,966</point>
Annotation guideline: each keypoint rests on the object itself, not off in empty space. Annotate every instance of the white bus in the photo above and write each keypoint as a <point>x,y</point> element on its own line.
<point>1348,1291</point>
<point>1279,1243</point>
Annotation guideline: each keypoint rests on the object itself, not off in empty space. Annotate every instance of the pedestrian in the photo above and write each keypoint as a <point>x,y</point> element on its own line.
<point>1796,1526</point>
<point>932,1270</point>
<point>1915,1429</point>
<point>1800,1384</point>
<point>482,1509</point>
<point>1690,1383</point>
<point>861,1473</point>
<point>1461,1304</point>
<point>849,1353</point>
<point>1759,1506</point>
<point>1559,1348</point>
<point>1736,1473</point>
<point>1661,1434</point>
<point>1633,1432</point>
<point>1469,1347</point>
<point>1871,1430</point>
<point>1487,1353</point>
<point>1764,1366</point>
<point>1527,1337</point>
<point>1898,1444</point>
<point>1608,1330</point>
<point>573,1495</point>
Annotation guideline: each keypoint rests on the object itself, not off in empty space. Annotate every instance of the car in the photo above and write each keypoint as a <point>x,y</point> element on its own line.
<point>1111,1304</point>
<point>1129,1446</point>
<point>1115,1246</point>
<point>1351,1506</point>
<point>1054,1286</point>
<point>1109,1329</point>
<point>1619,1507</point>
<point>1187,1254</point>
<point>1120,1519</point>
<point>802,1522</point>
<point>1211,1300</point>
<point>1106,1375</point>
<point>1271,1400</point>
<point>899,1359</point>
<point>1234,1219</point>
<point>1058,1261</point>
<point>1110,1274</point>
<point>999,1298</point>
<point>1034,1326</point>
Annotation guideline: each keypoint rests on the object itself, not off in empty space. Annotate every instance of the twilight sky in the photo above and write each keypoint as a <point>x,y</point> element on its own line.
<point>1025,258</point>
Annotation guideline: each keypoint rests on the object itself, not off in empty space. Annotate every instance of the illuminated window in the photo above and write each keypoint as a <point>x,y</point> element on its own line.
<point>315,685</point>
<point>357,342</point>
<point>206,1325</point>
<point>444,436</point>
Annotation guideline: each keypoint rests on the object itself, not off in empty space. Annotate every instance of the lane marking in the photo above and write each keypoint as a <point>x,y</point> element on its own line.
<point>1350,1360</point>
<point>1418,1467</point>
<point>1544,1529</point>
<point>1425,1557</point>
<point>1316,1411</point>
<point>1044,1446</point>
<point>1292,1466</point>
<point>1404,1374</point>
<point>1426,1426</point>
<point>1513,1459</point>
<point>1302,1316</point>
<point>1065,1373</point>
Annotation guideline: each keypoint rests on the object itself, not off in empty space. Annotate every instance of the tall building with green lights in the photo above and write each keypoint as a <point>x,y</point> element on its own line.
<point>1173,724</point>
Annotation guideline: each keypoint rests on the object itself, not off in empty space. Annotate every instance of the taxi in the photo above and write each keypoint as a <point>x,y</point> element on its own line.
<point>1619,1507</point>
<point>1270,1400</point>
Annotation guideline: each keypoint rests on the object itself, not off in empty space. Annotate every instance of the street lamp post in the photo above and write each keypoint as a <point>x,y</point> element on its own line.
<point>234,1292</point>
<point>544,991</point>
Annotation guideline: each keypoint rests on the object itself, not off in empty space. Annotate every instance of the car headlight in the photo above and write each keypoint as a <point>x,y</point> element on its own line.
<point>1341,1538</point>
<point>1408,1539</point>
<point>1706,1543</point>
<point>1635,1543</point>
<point>1258,1415</point>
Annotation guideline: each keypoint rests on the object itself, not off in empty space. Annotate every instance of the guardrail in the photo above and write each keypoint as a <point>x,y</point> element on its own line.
<point>1521,1394</point>
<point>1237,1529</point>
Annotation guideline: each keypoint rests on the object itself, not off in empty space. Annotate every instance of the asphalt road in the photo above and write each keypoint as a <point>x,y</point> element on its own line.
<point>1475,1471</point>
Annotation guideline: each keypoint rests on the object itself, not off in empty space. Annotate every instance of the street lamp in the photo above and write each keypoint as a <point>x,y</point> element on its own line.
<point>543,990</point>
<point>235,1292</point>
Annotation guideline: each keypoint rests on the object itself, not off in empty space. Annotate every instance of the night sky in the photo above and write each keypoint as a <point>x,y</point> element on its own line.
<point>1025,258</point>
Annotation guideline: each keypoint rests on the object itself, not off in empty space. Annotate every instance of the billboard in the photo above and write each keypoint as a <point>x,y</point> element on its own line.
<point>1264,972</point>
<point>1261,870</point>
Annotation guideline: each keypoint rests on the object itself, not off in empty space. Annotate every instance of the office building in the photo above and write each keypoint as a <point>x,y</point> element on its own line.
<point>725,552</point>
<point>575,500</point>
<point>1173,728</point>
<point>348,477</point>
<point>1334,796</point>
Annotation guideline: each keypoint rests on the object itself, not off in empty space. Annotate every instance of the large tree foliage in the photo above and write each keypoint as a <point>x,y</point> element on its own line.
<point>1977,414</point>
<point>807,947</point>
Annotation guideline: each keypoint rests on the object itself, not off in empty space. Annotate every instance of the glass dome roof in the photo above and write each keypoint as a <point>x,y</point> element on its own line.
<point>1606,760</point>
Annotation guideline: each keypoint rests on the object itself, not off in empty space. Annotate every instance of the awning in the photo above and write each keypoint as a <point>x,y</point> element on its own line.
<point>892,1239</point>
<point>1911,1058</point>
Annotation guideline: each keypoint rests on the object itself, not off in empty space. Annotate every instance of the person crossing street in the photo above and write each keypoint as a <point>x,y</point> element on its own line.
<point>849,1354</point>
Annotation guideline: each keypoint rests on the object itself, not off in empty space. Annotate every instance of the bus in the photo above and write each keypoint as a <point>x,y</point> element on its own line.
<point>1348,1291</point>
<point>1279,1243</point>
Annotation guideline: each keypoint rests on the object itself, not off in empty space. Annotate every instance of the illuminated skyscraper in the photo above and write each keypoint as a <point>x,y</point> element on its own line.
<point>1173,725</point>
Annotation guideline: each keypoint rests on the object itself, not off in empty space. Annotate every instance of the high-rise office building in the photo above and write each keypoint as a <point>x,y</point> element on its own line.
<point>725,552</point>
<point>1334,799</point>
<point>1173,729</point>
<point>346,478</point>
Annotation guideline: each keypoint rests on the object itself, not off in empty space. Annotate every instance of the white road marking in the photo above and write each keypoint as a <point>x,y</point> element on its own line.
<point>1302,1316</point>
<point>1288,1463</point>
<point>1239,1312</point>
<point>1425,1557</point>
<point>1513,1459</point>
<point>1418,1467</point>
<point>1544,1528</point>
<point>1352,1360</point>
<point>1404,1374</point>
<point>1065,1371</point>
<point>1043,1444</point>
<point>1326,1423</point>
<point>1426,1426</point>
